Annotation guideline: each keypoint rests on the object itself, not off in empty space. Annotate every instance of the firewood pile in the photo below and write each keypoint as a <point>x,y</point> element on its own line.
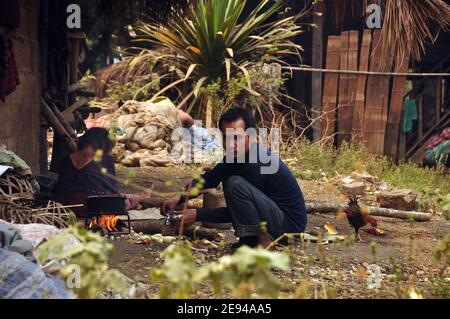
<point>17,203</point>
<point>13,186</point>
<point>32,212</point>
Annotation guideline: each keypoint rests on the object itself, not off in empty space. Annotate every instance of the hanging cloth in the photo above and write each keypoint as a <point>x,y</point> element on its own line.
<point>9,76</point>
<point>410,114</point>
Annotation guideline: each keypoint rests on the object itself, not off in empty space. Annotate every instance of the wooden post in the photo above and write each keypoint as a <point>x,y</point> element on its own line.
<point>360,99</point>
<point>74,59</point>
<point>402,145</point>
<point>395,111</point>
<point>347,85</point>
<point>317,62</point>
<point>43,43</point>
<point>439,101</point>
<point>330,87</point>
<point>420,107</point>
<point>343,87</point>
<point>377,100</point>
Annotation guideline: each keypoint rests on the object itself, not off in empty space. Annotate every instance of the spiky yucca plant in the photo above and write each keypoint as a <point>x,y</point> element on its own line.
<point>210,44</point>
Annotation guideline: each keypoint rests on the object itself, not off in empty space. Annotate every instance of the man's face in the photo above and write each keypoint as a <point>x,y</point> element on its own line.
<point>236,140</point>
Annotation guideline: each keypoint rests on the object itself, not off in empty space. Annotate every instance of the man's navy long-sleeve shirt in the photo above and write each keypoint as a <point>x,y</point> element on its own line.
<point>280,186</point>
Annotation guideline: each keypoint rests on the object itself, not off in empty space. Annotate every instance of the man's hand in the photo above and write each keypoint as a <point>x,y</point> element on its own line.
<point>169,205</point>
<point>189,216</point>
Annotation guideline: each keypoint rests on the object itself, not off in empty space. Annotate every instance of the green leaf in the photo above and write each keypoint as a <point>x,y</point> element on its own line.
<point>72,251</point>
<point>246,75</point>
<point>255,37</point>
<point>190,70</point>
<point>199,85</point>
<point>223,51</point>
<point>228,67</point>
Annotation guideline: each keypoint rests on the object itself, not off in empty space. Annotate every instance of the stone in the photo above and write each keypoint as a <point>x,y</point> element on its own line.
<point>353,189</point>
<point>400,199</point>
<point>364,176</point>
<point>145,214</point>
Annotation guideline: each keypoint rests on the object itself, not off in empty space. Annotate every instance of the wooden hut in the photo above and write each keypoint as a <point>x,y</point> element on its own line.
<point>46,55</point>
<point>20,128</point>
<point>364,104</point>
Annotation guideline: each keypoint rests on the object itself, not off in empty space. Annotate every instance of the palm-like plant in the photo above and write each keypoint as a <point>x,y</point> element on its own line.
<point>210,44</point>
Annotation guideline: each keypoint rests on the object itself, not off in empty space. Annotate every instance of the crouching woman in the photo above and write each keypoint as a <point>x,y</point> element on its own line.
<point>82,175</point>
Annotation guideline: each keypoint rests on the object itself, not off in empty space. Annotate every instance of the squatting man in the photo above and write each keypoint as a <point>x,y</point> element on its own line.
<point>256,194</point>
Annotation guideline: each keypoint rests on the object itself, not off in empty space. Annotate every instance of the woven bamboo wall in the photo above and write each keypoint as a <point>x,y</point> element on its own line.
<point>20,115</point>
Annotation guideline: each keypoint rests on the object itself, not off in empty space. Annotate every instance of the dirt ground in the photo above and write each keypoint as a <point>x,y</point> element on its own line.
<point>342,267</point>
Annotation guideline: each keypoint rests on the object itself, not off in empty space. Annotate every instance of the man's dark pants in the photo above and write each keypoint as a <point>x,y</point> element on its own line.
<point>249,207</point>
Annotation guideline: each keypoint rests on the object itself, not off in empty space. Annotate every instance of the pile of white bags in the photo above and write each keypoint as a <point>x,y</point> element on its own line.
<point>146,132</point>
<point>150,134</point>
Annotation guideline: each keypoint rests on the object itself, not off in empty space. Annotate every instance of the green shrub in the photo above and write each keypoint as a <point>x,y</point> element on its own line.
<point>313,161</point>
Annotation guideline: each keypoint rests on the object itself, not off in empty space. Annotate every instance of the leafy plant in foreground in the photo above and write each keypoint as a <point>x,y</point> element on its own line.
<point>244,274</point>
<point>89,257</point>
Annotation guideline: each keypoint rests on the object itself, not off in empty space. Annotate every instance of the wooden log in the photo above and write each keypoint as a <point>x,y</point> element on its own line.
<point>86,94</point>
<point>74,88</point>
<point>215,199</point>
<point>152,202</point>
<point>66,125</point>
<point>157,226</point>
<point>374,211</point>
<point>58,127</point>
<point>68,113</point>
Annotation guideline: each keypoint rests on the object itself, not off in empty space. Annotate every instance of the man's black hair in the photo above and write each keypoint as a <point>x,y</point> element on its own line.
<point>236,113</point>
<point>97,138</point>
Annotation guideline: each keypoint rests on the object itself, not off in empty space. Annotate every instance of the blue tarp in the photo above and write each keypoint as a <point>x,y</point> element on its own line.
<point>20,278</point>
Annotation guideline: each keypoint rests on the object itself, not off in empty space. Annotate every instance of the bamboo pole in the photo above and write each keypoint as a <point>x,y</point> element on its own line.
<point>306,69</point>
<point>374,211</point>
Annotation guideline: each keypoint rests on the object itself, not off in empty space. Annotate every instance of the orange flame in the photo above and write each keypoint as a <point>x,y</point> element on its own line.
<point>108,222</point>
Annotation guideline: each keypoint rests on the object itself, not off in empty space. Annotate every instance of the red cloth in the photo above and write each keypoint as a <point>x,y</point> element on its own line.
<point>438,139</point>
<point>434,141</point>
<point>9,76</point>
<point>446,133</point>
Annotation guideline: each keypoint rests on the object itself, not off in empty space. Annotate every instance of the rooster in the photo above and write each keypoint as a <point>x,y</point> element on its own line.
<point>358,217</point>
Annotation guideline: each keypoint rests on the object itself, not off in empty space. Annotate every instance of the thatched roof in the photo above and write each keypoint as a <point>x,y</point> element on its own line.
<point>408,25</point>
